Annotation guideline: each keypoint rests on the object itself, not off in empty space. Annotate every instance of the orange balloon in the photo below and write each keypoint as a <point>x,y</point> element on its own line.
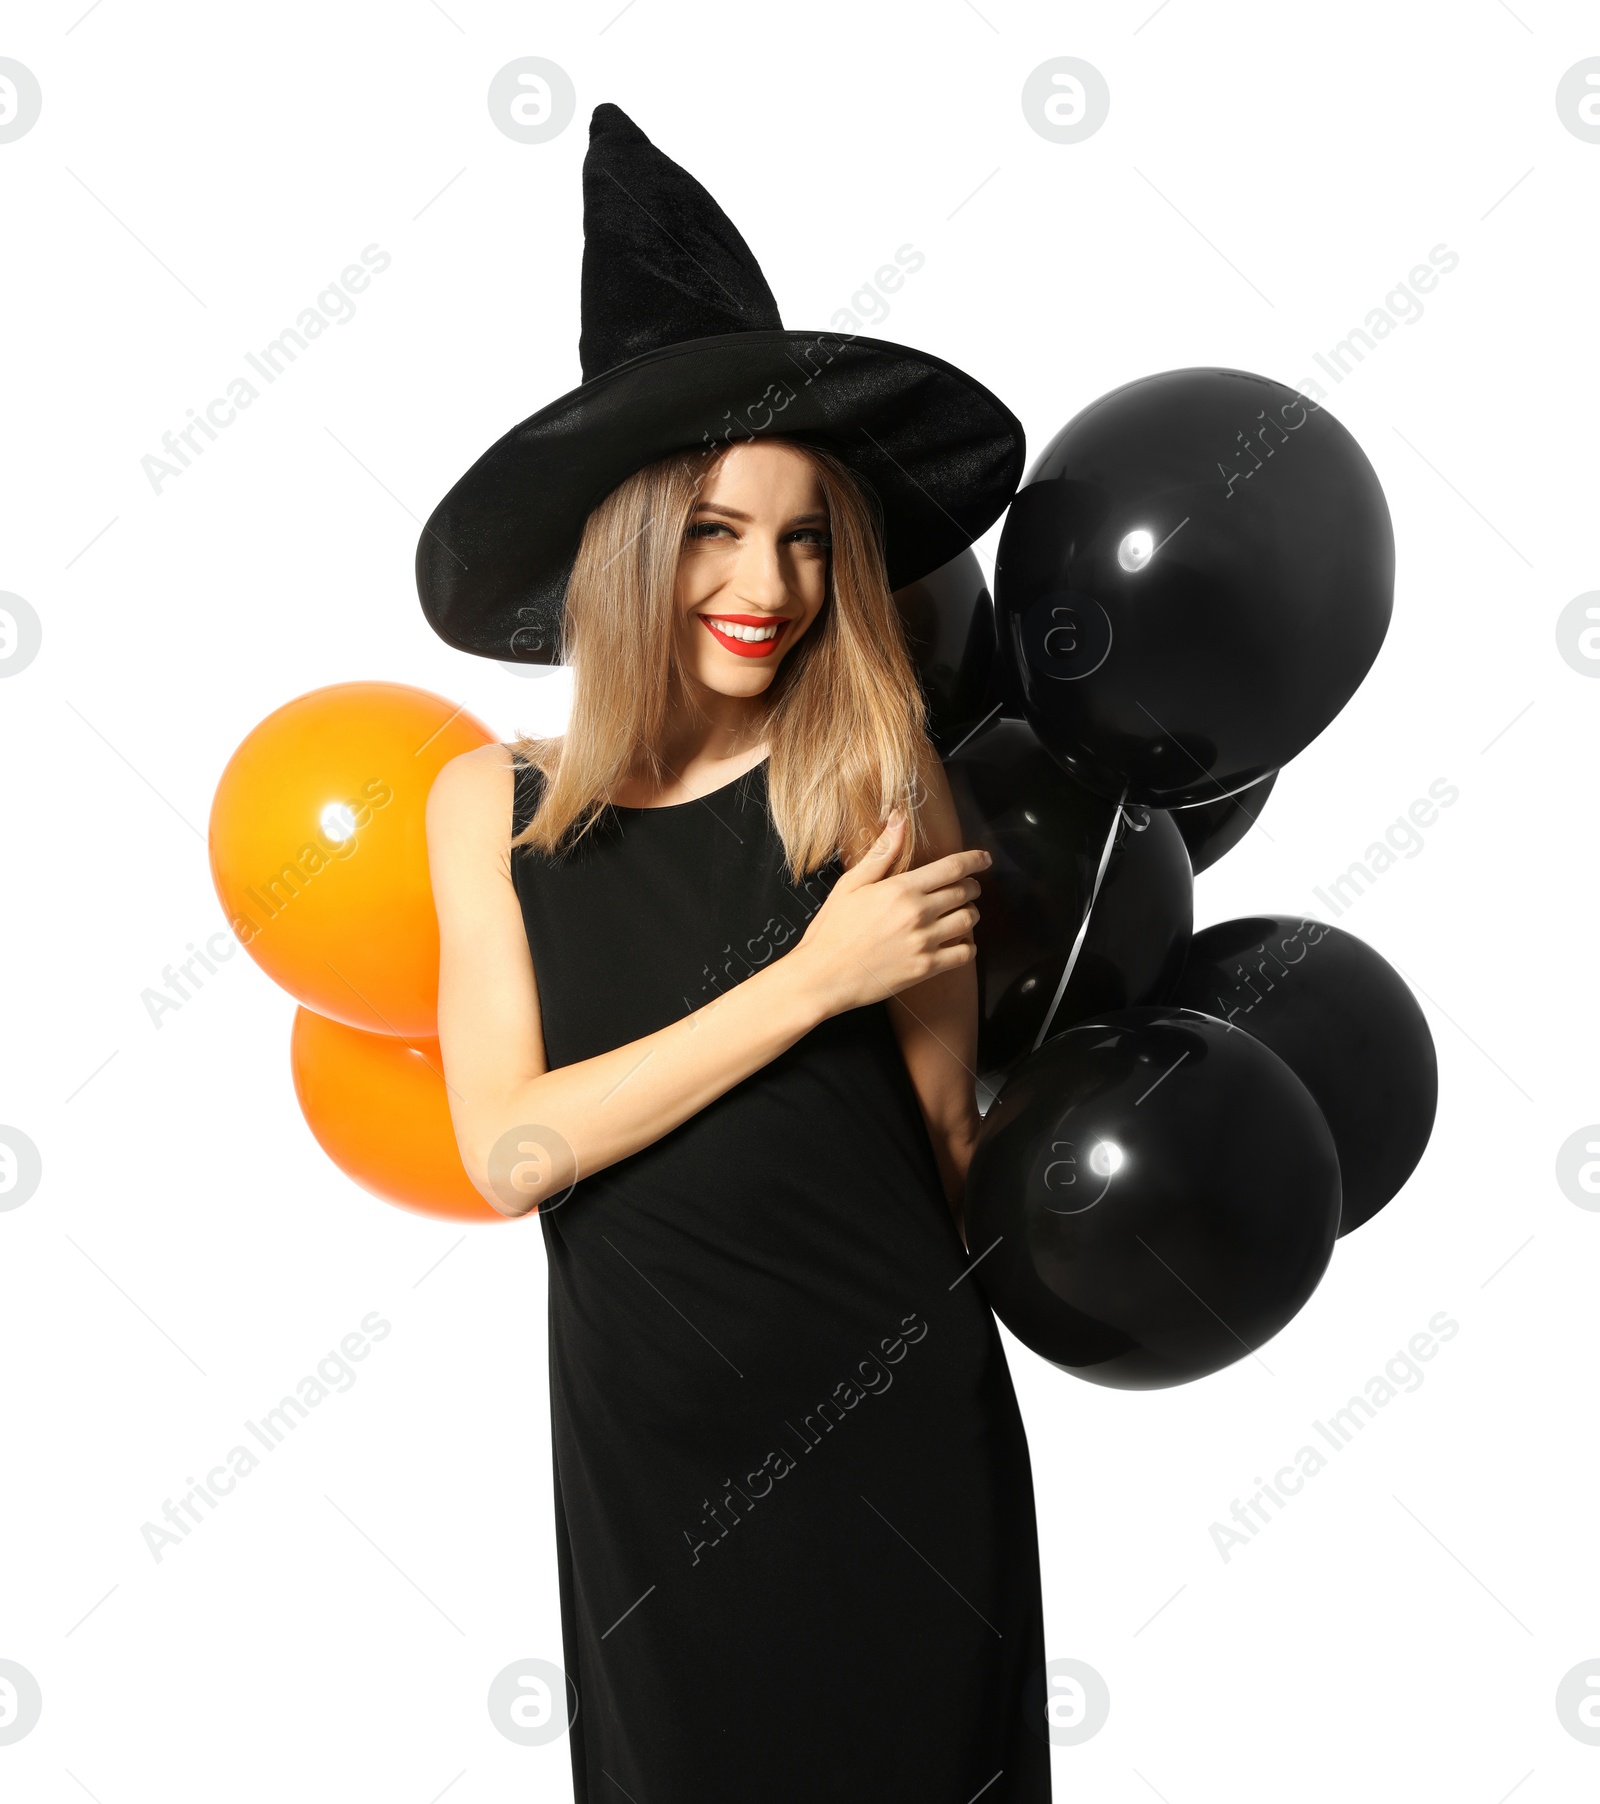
<point>378,1109</point>
<point>319,849</point>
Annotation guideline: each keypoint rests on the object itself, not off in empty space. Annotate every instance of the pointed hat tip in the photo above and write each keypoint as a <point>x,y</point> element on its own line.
<point>608,119</point>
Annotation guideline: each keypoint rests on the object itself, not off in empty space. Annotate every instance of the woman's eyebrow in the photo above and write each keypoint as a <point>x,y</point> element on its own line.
<point>734,513</point>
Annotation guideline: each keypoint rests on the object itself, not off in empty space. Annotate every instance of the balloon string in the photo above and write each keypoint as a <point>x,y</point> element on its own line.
<point>1225,795</point>
<point>1083,930</point>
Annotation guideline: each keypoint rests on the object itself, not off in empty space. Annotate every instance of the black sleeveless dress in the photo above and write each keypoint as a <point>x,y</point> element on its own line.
<point>794,1510</point>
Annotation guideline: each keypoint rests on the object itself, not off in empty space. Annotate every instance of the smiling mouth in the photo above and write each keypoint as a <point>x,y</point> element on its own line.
<point>746,635</point>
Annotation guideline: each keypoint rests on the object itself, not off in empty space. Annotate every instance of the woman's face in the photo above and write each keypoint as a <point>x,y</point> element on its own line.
<point>753,569</point>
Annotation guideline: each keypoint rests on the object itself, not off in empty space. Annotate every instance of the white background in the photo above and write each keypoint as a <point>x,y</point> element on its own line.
<point>1267,174</point>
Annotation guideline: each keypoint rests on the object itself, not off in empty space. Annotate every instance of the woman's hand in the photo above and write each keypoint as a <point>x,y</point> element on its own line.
<point>877,934</point>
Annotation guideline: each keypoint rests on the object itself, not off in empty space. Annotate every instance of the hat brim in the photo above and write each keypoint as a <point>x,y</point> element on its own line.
<point>942,454</point>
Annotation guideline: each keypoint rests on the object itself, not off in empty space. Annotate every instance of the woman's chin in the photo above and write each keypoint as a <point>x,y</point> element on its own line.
<point>737,678</point>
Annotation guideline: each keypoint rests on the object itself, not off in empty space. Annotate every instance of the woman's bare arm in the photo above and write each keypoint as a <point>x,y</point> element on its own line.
<point>874,935</point>
<point>937,1021</point>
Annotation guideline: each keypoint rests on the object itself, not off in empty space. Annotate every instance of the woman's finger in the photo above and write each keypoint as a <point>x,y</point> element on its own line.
<point>942,872</point>
<point>953,895</point>
<point>870,867</point>
<point>957,925</point>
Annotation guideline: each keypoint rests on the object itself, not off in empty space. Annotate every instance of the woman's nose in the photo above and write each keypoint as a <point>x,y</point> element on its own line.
<point>760,578</point>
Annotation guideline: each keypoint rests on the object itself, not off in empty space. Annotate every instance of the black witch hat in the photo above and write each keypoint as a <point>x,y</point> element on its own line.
<point>682,348</point>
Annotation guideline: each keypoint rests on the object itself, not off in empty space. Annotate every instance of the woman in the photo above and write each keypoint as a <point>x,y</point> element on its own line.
<point>707,1000</point>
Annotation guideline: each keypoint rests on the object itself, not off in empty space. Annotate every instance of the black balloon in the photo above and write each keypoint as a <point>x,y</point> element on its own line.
<point>1002,696</point>
<point>1347,1024</point>
<point>949,624</point>
<point>1152,1197</point>
<point>1046,835</point>
<point>1192,582</point>
<point>1211,828</point>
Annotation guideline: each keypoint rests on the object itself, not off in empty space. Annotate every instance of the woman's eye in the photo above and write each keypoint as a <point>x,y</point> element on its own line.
<point>806,535</point>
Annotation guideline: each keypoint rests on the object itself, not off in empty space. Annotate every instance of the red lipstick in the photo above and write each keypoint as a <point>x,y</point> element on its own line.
<point>745,648</point>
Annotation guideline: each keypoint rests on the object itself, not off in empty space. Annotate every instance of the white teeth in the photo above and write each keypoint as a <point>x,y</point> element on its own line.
<point>735,631</point>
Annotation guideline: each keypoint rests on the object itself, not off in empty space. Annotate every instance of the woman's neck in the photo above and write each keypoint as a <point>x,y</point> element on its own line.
<point>703,748</point>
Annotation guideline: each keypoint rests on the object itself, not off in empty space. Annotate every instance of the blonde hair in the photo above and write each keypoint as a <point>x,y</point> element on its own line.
<point>844,718</point>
